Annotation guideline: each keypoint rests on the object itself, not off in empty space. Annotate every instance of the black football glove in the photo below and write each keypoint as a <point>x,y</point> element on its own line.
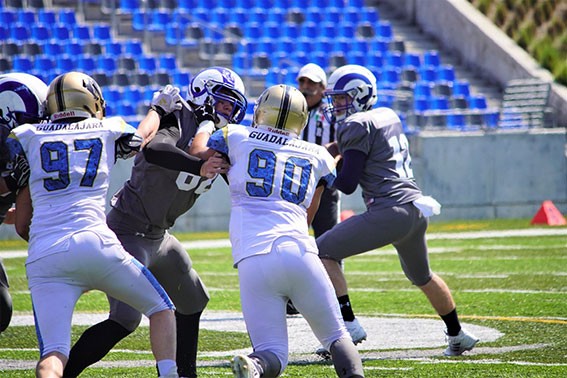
<point>18,175</point>
<point>205,112</point>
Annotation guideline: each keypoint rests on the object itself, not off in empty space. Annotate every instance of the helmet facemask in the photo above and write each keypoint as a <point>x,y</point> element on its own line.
<point>218,91</point>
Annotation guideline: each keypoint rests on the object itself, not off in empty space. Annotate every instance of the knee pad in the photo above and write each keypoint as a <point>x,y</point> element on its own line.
<point>270,363</point>
<point>346,358</point>
<point>5,308</point>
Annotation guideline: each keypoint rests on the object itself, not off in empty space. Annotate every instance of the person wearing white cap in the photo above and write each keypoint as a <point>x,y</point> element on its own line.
<point>312,82</point>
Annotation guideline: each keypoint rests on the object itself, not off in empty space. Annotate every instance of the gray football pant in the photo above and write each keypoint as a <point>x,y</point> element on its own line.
<point>402,226</point>
<point>171,265</point>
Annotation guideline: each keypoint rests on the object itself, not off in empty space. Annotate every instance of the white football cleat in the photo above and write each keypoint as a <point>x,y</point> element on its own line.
<point>244,367</point>
<point>357,333</point>
<point>460,343</point>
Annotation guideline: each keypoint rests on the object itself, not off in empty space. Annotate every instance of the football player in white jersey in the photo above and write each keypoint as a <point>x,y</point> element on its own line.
<point>375,154</point>
<point>71,249</point>
<point>22,100</point>
<point>273,179</point>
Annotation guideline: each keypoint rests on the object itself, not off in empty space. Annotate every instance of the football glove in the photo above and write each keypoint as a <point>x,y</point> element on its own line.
<point>19,173</point>
<point>166,100</point>
<point>205,112</point>
<point>128,145</point>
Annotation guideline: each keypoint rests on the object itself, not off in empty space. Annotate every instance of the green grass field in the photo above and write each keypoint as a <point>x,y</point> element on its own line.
<point>516,285</point>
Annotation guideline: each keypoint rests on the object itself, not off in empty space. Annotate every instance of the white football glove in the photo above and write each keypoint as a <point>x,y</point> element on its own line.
<point>166,100</point>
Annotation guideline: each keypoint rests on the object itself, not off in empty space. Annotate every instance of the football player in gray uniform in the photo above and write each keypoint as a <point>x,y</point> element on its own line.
<point>375,154</point>
<point>164,184</point>
<point>22,100</point>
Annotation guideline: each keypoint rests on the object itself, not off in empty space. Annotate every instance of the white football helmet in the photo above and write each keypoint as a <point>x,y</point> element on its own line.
<point>218,83</point>
<point>22,100</point>
<point>74,95</point>
<point>355,82</point>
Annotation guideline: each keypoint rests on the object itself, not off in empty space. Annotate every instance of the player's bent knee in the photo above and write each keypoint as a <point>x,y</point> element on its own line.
<point>346,358</point>
<point>130,323</point>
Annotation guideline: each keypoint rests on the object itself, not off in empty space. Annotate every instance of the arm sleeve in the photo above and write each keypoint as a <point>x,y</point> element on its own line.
<point>350,174</point>
<point>162,151</point>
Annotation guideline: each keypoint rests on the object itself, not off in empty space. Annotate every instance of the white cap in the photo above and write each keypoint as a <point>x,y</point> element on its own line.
<point>314,73</point>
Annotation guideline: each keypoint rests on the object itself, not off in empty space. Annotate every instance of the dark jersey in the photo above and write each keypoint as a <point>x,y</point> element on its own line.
<point>158,196</point>
<point>387,178</point>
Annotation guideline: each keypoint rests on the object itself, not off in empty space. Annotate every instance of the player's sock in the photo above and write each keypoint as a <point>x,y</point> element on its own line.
<point>187,340</point>
<point>346,309</point>
<point>93,345</point>
<point>452,322</point>
<point>165,366</point>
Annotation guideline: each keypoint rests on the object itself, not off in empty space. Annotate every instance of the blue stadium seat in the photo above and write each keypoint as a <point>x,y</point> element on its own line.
<point>133,47</point>
<point>355,3</point>
<point>52,48</point>
<point>370,15</point>
<point>241,62</point>
<point>106,63</point>
<point>309,29</point>
<point>252,31</point>
<point>266,4</point>
<point>360,45</point>
<point>324,45</point>
<point>446,72</point>
<point>319,3</point>
<point>167,62</point>
<point>141,20</point>
<point>7,17</point>
<point>102,33</point>
<point>181,79</point>
<point>220,16</point>
<point>338,3</point>
<point>286,45</point>
<point>341,45</point>
<point>431,58</point>
<point>159,19</point>
<point>147,64</point>
<point>125,109</point>
<point>320,58</point>
<point>314,15</point>
<point>394,58</point>
<point>111,94</point>
<point>25,16</point>
<point>60,32</point>
<point>40,33</point>
<point>439,103</point>
<point>461,88</point>
<point>272,30</point>
<point>328,29</point>
<point>456,121</point>
<point>420,104</point>
<point>301,58</point>
<point>214,32</point>
<point>347,29</point>
<point>423,89</point>
<point>47,16</point>
<point>390,77</point>
<point>128,6</point>
<point>67,17</point>
<point>238,16</point>
<point>22,63</point>
<point>266,45</point>
<point>43,63</point>
<point>280,60</point>
<point>258,14</point>
<point>226,4</point>
<point>113,48</point>
<point>82,33</point>
<point>378,44</point>
<point>376,59</point>
<point>19,32</point>
<point>357,57</point>
<point>187,4</point>
<point>428,73</point>
<point>4,33</point>
<point>206,4</point>
<point>412,60</point>
<point>73,48</point>
<point>132,95</point>
<point>351,14</point>
<point>333,15</point>
<point>281,4</point>
<point>304,44</point>
<point>202,14</point>
<point>384,30</point>
<point>86,63</point>
<point>477,102</point>
<point>272,78</point>
<point>291,31</point>
<point>64,63</point>
<point>174,34</point>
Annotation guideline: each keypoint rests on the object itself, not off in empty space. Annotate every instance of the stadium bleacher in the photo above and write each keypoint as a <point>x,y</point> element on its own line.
<point>266,41</point>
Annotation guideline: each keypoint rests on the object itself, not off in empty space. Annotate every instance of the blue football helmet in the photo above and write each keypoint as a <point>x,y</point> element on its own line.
<point>22,100</point>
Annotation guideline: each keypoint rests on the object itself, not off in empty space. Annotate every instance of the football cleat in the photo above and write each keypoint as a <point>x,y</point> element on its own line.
<point>458,344</point>
<point>244,367</point>
<point>357,333</point>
